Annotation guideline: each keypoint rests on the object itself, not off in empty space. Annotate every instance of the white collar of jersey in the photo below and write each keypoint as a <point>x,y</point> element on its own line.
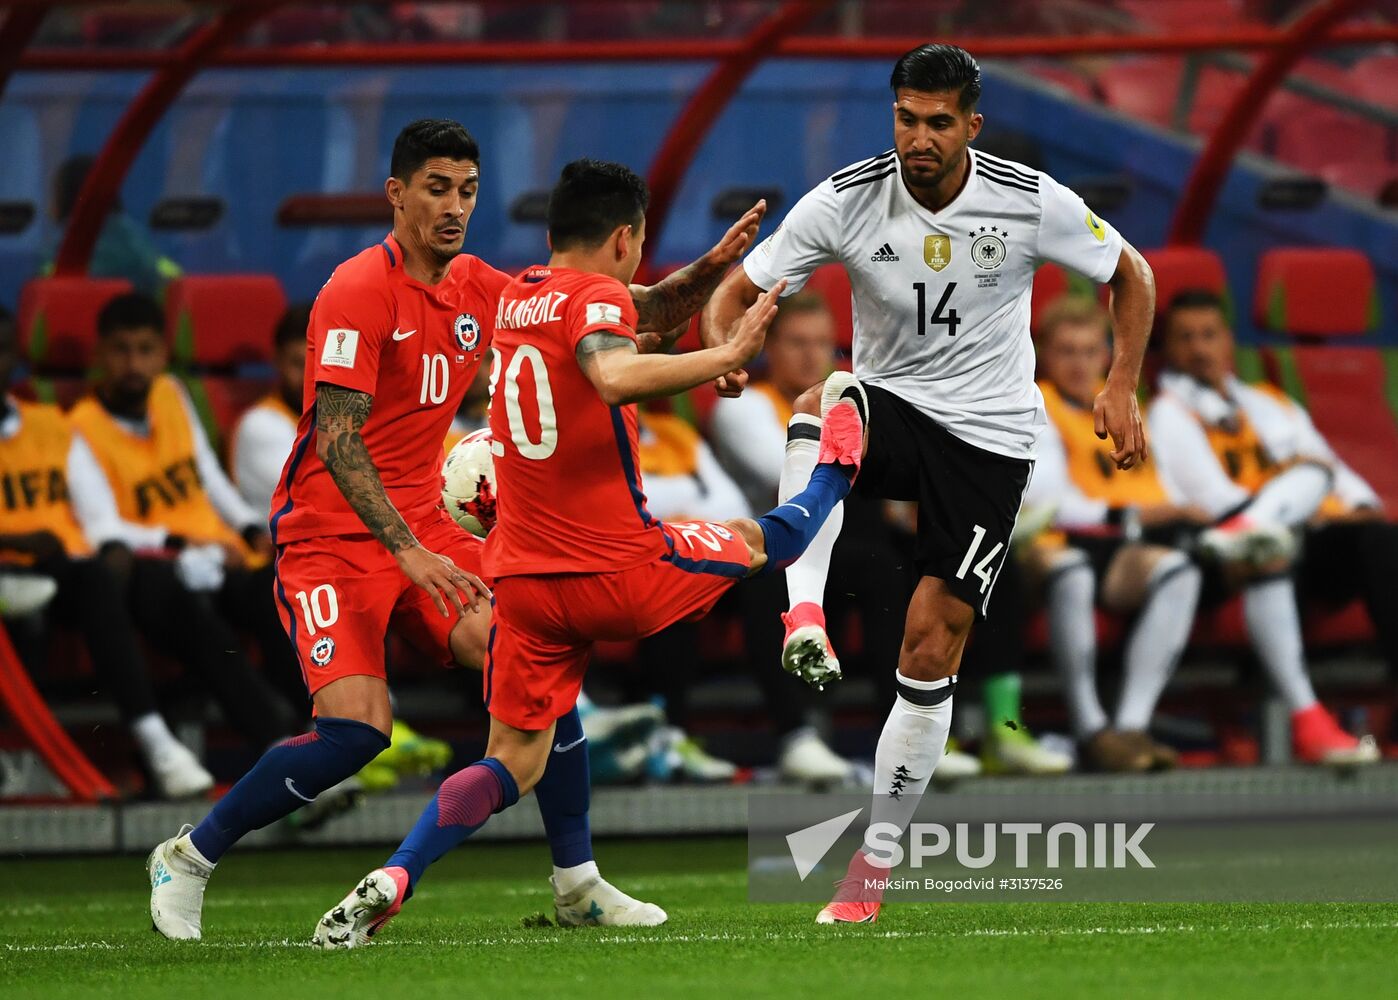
<point>9,427</point>
<point>940,215</point>
<point>138,428</point>
<point>1210,405</point>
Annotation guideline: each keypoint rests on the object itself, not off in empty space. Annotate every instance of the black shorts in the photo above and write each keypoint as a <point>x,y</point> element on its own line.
<point>967,497</point>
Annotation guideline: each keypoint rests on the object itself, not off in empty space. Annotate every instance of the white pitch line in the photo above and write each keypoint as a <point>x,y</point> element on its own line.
<point>662,937</point>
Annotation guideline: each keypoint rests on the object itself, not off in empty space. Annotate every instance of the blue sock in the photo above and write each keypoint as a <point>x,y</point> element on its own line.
<point>288,776</point>
<point>564,794</point>
<point>461,806</point>
<point>790,527</point>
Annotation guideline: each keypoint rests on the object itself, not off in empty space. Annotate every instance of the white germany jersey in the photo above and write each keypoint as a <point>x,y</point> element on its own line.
<point>941,299</point>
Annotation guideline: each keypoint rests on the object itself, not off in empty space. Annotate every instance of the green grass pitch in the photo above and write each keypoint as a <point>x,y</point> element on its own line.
<point>78,927</point>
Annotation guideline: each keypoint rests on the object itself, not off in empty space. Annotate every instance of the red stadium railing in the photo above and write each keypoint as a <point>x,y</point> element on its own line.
<point>31,714</point>
<point>1196,204</point>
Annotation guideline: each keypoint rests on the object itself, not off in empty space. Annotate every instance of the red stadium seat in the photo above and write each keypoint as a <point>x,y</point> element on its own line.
<point>58,319</point>
<point>1067,78</point>
<point>1345,395</point>
<point>1213,95</point>
<point>222,320</point>
<point>689,340</point>
<point>831,282</point>
<point>1315,292</point>
<point>1330,625</point>
<point>61,390</point>
<point>1179,269</point>
<point>702,399</point>
<point>1375,79</point>
<point>1143,88</point>
<point>1308,139</point>
<point>1188,15</point>
<point>1220,627</point>
<point>221,400</point>
<point>1050,284</point>
<point>1311,293</point>
<point>1360,176</point>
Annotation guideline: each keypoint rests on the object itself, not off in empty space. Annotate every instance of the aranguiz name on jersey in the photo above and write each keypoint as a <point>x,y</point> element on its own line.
<point>514,314</point>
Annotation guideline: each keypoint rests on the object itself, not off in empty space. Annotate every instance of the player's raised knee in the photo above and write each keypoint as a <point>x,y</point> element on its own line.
<point>927,658</point>
<point>523,753</point>
<point>809,401</point>
<point>469,638</point>
<point>359,697</point>
<point>932,647</point>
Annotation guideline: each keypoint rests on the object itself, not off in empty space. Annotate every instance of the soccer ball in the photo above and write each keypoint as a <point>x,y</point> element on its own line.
<point>468,483</point>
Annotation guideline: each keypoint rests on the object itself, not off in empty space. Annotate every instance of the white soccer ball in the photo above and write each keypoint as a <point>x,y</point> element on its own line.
<point>468,483</point>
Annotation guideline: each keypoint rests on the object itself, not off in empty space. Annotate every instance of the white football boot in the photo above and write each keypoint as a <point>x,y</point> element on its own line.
<point>598,903</point>
<point>955,764</point>
<point>178,773</point>
<point>807,759</point>
<point>1240,539</point>
<point>22,595</point>
<point>178,876</point>
<point>353,922</point>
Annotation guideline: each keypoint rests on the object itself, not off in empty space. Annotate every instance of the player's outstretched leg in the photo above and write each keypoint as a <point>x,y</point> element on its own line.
<point>514,763</point>
<point>580,894</point>
<point>563,795</point>
<point>287,776</point>
<point>806,650</point>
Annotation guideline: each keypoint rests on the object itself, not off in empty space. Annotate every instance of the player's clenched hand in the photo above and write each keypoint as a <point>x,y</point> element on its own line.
<point>739,236</point>
<point>1116,412</point>
<point>442,579</point>
<point>751,332</point>
<point>660,343</point>
<point>731,385</point>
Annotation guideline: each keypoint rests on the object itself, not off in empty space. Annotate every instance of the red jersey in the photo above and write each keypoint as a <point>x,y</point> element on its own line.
<point>566,471</point>
<point>415,348</point>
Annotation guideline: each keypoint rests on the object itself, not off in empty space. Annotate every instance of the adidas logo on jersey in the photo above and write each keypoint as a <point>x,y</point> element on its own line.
<point>884,253</point>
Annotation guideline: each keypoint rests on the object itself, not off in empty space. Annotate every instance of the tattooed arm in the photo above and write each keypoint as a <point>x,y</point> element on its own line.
<point>340,416</point>
<point>673,300</point>
<point>621,375</point>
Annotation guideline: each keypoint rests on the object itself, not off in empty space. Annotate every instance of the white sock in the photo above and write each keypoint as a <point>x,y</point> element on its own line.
<point>565,880</point>
<point>1157,638</point>
<point>1292,497</point>
<point>1072,631</point>
<point>153,736</point>
<point>186,845</point>
<point>910,747</point>
<point>805,578</point>
<point>1274,626</point>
